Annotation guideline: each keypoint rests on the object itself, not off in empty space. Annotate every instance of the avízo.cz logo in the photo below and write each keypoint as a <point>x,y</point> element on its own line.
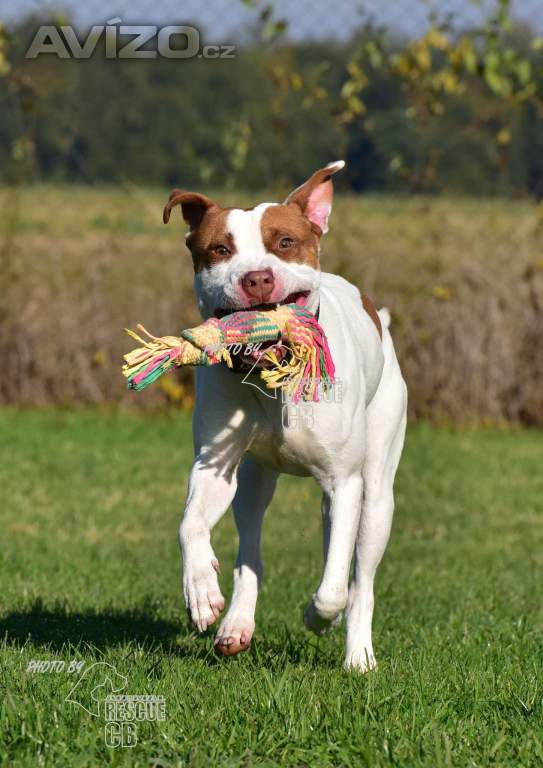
<point>126,41</point>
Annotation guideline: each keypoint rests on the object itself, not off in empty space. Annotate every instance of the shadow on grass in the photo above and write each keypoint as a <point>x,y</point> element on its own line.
<point>55,628</point>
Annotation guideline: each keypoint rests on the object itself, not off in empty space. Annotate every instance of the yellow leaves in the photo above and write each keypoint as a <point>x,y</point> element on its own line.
<point>447,81</point>
<point>279,75</point>
<point>22,149</point>
<point>503,137</point>
<point>296,81</point>
<point>434,67</point>
<point>424,336</point>
<point>417,60</point>
<point>176,393</point>
<point>356,106</point>
<point>508,74</point>
<point>353,105</point>
<point>237,140</point>
<point>406,65</point>
<point>358,76</point>
<point>308,87</point>
<point>374,54</point>
<point>422,56</point>
<point>435,38</point>
<point>188,403</point>
<point>523,71</point>
<point>348,88</point>
<point>356,83</point>
<point>5,66</point>
<point>442,293</point>
<point>428,74</point>
<point>61,19</point>
<point>499,84</point>
<point>172,389</point>
<point>99,358</point>
<point>463,57</point>
<point>353,68</point>
<point>398,166</point>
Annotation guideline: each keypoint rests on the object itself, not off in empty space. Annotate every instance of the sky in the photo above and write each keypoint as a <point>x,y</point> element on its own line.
<point>231,20</point>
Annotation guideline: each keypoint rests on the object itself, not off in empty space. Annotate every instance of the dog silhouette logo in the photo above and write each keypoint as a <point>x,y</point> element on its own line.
<point>254,371</point>
<point>97,682</point>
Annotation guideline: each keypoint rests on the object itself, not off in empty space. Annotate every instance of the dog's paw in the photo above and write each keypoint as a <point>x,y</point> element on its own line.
<point>234,635</point>
<point>324,612</point>
<point>202,594</point>
<point>315,622</point>
<point>363,661</point>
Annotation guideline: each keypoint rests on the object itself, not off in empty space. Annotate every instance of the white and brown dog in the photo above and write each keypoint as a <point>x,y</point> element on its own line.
<point>266,256</point>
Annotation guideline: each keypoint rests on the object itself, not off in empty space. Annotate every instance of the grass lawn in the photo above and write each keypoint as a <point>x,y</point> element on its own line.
<point>90,572</point>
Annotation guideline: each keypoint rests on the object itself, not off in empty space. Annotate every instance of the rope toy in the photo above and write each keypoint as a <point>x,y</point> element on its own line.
<point>307,369</point>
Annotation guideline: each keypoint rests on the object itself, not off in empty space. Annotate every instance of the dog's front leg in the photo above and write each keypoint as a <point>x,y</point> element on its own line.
<point>341,512</point>
<point>256,485</point>
<point>211,491</point>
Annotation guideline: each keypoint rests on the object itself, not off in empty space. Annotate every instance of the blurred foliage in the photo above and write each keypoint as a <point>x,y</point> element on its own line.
<point>463,279</point>
<point>488,76</point>
<point>451,111</point>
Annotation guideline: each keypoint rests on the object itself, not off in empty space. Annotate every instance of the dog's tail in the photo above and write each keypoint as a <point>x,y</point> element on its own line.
<point>384,316</point>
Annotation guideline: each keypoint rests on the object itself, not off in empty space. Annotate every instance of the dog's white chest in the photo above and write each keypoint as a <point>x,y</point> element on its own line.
<point>306,437</point>
<point>288,437</point>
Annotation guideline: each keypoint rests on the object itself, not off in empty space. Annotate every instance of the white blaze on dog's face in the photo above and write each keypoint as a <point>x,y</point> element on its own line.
<point>258,257</point>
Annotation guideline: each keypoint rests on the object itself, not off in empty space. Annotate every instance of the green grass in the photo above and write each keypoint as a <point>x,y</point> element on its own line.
<point>90,571</point>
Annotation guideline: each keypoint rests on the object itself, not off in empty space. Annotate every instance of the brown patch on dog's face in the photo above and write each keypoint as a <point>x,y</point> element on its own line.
<point>211,242</point>
<point>290,231</point>
<point>288,234</point>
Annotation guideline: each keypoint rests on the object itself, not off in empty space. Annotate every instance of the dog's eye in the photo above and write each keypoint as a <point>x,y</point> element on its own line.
<point>286,242</point>
<point>222,250</point>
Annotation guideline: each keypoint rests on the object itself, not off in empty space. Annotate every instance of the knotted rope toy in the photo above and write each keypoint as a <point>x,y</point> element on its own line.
<point>307,368</point>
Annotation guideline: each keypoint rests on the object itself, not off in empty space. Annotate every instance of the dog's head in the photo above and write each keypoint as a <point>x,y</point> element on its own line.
<point>257,257</point>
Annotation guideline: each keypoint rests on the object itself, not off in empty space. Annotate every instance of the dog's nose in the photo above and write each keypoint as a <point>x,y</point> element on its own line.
<point>258,285</point>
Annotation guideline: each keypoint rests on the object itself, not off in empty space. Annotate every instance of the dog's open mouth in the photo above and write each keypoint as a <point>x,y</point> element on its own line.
<point>245,360</point>
<point>299,297</point>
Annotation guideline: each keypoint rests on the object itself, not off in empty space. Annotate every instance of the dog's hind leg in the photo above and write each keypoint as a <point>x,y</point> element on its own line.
<point>341,513</point>
<point>386,418</point>
<point>256,485</point>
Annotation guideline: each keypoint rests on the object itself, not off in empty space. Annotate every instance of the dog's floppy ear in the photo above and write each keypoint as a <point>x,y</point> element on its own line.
<point>314,198</point>
<point>193,206</point>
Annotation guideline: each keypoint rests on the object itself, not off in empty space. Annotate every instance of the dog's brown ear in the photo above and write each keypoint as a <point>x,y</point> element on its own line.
<point>314,198</point>
<point>193,206</point>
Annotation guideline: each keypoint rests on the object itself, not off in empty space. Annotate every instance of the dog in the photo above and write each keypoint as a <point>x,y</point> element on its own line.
<point>262,257</point>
